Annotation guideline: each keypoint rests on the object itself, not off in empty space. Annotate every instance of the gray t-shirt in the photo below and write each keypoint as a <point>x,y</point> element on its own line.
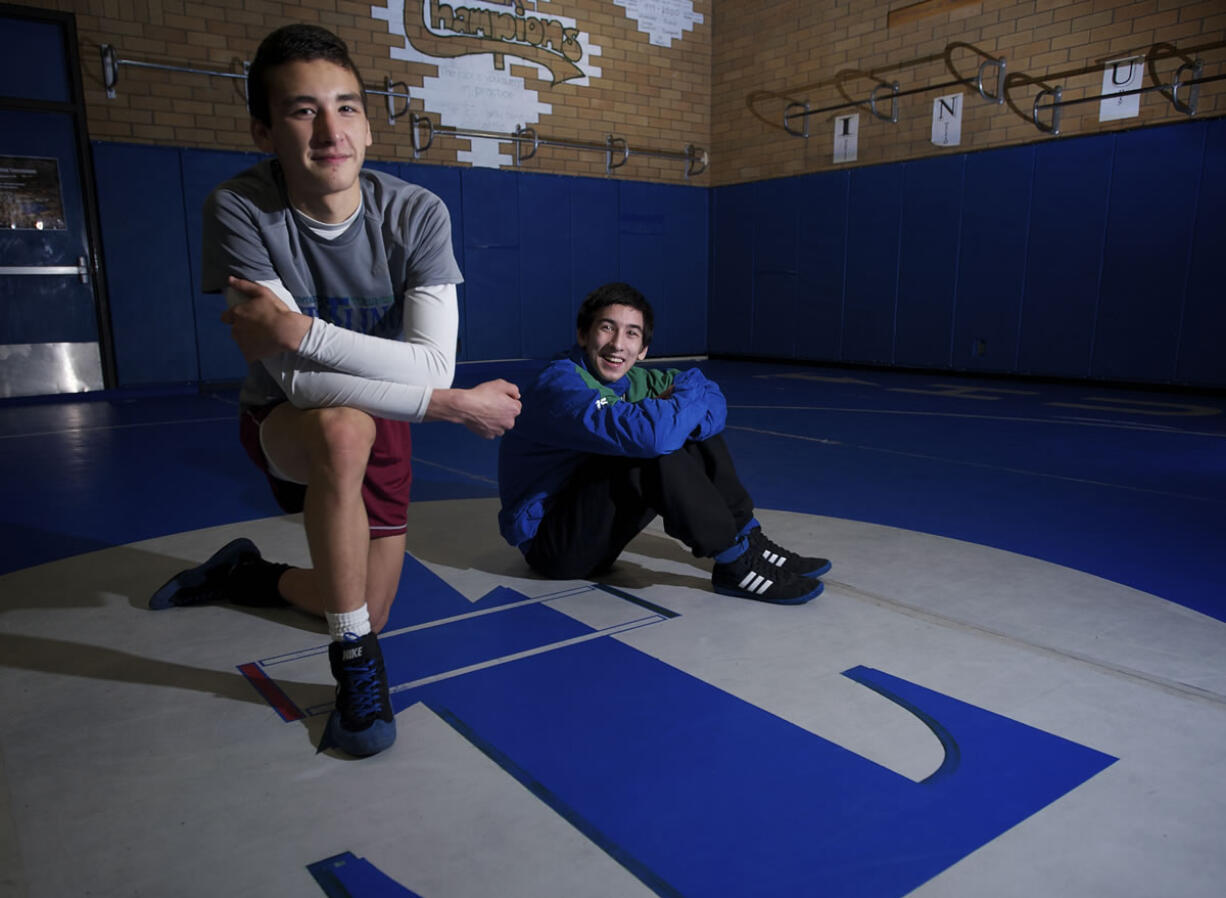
<point>357,280</point>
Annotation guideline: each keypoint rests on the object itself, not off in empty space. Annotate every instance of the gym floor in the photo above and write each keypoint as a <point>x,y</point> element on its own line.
<point>1013,685</point>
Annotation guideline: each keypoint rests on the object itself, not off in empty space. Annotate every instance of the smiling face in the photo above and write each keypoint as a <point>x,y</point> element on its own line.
<point>319,131</point>
<point>613,342</point>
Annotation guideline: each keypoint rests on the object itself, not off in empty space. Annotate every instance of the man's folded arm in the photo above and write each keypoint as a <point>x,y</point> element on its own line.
<point>425,355</point>
<point>643,429</point>
<point>383,377</point>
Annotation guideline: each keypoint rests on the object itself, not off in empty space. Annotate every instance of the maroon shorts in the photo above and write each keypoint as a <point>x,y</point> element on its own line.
<point>389,473</point>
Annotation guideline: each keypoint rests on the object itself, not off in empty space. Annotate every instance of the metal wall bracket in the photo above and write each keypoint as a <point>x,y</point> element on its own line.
<point>613,144</point>
<point>872,102</point>
<point>389,90</point>
<point>522,135</point>
<point>1195,67</point>
<point>419,125</point>
<point>1055,93</point>
<point>800,111</point>
<point>111,64</point>
<point>697,160</point>
<point>110,70</point>
<point>999,66</point>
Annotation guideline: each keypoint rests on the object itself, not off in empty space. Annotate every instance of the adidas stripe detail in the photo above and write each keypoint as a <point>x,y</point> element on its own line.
<point>756,583</point>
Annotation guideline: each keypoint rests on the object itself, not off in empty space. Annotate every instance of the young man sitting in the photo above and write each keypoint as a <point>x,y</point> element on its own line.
<point>603,446</point>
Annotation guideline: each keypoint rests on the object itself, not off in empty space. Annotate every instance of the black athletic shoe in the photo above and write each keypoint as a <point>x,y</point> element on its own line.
<point>753,577</point>
<point>789,561</point>
<point>362,723</point>
<point>213,581</point>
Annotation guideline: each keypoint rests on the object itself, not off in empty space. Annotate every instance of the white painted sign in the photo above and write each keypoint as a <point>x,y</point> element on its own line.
<point>947,120</point>
<point>663,20</point>
<point>474,47</point>
<point>846,137</point>
<point>1121,75</point>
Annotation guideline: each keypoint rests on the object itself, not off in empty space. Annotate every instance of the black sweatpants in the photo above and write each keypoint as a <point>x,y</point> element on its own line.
<point>610,499</point>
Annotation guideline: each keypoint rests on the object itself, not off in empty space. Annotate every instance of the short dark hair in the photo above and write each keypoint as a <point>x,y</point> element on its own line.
<point>288,44</point>
<point>615,294</point>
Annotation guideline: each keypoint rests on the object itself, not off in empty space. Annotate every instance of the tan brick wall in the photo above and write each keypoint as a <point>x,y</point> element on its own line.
<point>769,55</point>
<point>723,87</point>
<point>654,97</point>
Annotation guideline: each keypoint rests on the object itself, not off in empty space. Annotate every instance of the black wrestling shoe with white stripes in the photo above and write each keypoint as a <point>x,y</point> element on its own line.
<point>781,557</point>
<point>753,577</point>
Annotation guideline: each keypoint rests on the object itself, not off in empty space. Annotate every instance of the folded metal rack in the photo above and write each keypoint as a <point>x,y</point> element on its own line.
<point>616,150</point>
<point>111,63</point>
<point>1049,100</point>
<point>1171,91</point>
<point>801,110</point>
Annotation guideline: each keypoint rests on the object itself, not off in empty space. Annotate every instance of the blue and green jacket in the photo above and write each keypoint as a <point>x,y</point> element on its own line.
<point>569,416</point>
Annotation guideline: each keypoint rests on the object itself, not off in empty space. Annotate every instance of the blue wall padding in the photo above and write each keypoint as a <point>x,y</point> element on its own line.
<point>822,248</point>
<point>148,273</point>
<point>663,252</point>
<point>874,219</point>
<point>733,214</point>
<point>543,282</point>
<point>775,271</point>
<point>595,248</point>
<point>203,170</point>
<point>494,317</point>
<point>928,262</point>
<point>1201,359</point>
<point>1154,186</point>
<point>531,247</point>
<point>992,259</point>
<point>1090,257</point>
<point>1067,222</point>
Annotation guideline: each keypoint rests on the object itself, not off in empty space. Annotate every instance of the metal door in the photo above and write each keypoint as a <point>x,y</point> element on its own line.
<point>52,326</point>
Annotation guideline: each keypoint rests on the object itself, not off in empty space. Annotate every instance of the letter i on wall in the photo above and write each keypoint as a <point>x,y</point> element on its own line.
<point>947,120</point>
<point>846,136</point>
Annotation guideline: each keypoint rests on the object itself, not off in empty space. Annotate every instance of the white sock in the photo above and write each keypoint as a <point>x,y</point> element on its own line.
<point>348,623</point>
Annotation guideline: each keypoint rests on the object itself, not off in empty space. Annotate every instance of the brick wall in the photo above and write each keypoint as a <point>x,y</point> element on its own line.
<point>652,96</point>
<point>724,86</point>
<point>767,56</point>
